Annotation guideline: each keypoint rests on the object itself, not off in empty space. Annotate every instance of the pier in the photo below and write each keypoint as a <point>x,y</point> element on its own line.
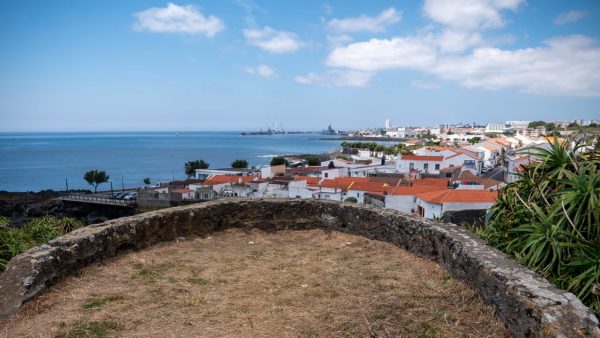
<point>99,199</point>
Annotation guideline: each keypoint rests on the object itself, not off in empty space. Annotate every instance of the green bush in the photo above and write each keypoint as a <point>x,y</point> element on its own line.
<point>550,218</point>
<point>14,241</point>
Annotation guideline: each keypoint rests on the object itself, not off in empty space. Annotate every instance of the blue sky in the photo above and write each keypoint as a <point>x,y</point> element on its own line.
<point>242,65</point>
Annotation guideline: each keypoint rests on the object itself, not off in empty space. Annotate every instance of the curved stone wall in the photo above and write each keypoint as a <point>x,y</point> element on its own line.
<point>527,304</point>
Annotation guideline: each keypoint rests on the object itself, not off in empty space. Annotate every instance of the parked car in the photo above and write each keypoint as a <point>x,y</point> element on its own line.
<point>130,196</point>
<point>486,169</point>
<point>119,195</point>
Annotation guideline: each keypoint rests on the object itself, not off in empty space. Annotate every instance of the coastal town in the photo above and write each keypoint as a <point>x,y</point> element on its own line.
<point>451,172</point>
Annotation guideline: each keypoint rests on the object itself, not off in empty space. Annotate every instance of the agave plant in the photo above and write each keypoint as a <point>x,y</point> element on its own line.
<point>42,229</point>
<point>550,218</point>
<point>68,224</point>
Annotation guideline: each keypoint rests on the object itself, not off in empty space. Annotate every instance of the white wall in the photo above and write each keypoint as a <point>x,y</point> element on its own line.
<point>466,206</point>
<point>403,203</point>
<point>299,189</point>
<point>358,194</point>
<point>432,210</point>
<point>403,166</point>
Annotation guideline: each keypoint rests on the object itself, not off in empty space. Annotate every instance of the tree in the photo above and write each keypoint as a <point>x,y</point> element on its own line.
<point>313,160</point>
<point>147,181</point>
<point>191,166</point>
<point>239,164</point>
<point>278,160</point>
<point>474,140</point>
<point>331,165</point>
<point>536,124</point>
<point>95,178</point>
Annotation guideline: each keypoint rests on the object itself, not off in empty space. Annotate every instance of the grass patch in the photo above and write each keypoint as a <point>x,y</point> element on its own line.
<point>150,273</point>
<point>95,329</point>
<point>98,302</point>
<point>198,281</point>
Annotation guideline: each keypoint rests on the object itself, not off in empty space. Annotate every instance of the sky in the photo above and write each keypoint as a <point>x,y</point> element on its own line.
<point>301,65</point>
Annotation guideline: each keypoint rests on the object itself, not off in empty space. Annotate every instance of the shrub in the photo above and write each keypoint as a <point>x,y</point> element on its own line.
<point>239,164</point>
<point>279,160</point>
<point>37,231</point>
<point>550,219</point>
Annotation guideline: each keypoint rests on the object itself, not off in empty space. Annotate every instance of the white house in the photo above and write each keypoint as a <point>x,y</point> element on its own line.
<point>186,194</point>
<point>370,170</point>
<point>404,198</point>
<point>419,163</point>
<point>272,171</point>
<point>495,128</point>
<point>434,204</point>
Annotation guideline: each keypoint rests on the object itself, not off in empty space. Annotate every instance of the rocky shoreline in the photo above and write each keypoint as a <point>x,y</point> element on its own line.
<point>21,207</point>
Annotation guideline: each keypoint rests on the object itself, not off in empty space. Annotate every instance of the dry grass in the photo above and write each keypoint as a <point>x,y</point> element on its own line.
<point>235,283</point>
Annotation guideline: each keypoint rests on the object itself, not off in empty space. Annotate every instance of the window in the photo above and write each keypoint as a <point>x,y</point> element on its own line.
<point>326,175</point>
<point>411,166</point>
<point>437,167</point>
<point>425,166</point>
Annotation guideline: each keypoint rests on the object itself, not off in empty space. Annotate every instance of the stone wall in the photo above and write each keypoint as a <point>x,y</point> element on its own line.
<point>527,304</point>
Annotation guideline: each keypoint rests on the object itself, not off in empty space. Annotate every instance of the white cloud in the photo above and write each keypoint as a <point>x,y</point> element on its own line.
<point>451,40</point>
<point>380,54</point>
<point>339,40</point>
<point>272,40</point>
<point>177,19</point>
<point>364,23</point>
<point>568,17</point>
<point>337,78</point>
<point>469,14</point>
<point>424,85</point>
<point>261,70</point>
<point>565,66</point>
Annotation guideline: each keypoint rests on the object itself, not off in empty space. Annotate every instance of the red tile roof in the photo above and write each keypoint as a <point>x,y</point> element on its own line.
<point>459,196</point>
<point>224,179</point>
<point>415,190</point>
<point>184,190</point>
<point>422,158</point>
<point>442,182</point>
<point>309,179</point>
<point>370,186</point>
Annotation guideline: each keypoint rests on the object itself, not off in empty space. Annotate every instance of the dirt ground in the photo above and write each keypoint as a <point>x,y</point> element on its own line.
<point>257,284</point>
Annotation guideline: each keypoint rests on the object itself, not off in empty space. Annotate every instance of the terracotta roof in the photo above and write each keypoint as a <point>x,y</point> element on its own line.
<point>391,180</point>
<point>459,196</point>
<point>308,179</point>
<point>223,179</point>
<point>369,186</point>
<point>343,182</point>
<point>184,190</point>
<point>422,158</point>
<point>415,189</point>
<point>467,174</point>
<point>440,182</point>
<point>500,141</point>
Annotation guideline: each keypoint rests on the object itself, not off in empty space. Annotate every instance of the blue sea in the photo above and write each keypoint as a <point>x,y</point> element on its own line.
<point>38,161</point>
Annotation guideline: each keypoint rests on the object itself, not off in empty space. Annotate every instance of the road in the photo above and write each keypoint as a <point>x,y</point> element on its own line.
<point>496,173</point>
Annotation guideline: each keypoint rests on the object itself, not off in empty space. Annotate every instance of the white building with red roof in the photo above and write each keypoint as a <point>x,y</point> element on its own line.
<point>435,203</point>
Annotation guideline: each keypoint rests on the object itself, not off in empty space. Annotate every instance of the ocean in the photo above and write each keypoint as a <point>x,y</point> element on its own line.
<point>39,161</point>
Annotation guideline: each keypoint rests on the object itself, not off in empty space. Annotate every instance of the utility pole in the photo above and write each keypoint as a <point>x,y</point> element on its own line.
<point>111,189</point>
<point>67,183</point>
<point>122,184</point>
